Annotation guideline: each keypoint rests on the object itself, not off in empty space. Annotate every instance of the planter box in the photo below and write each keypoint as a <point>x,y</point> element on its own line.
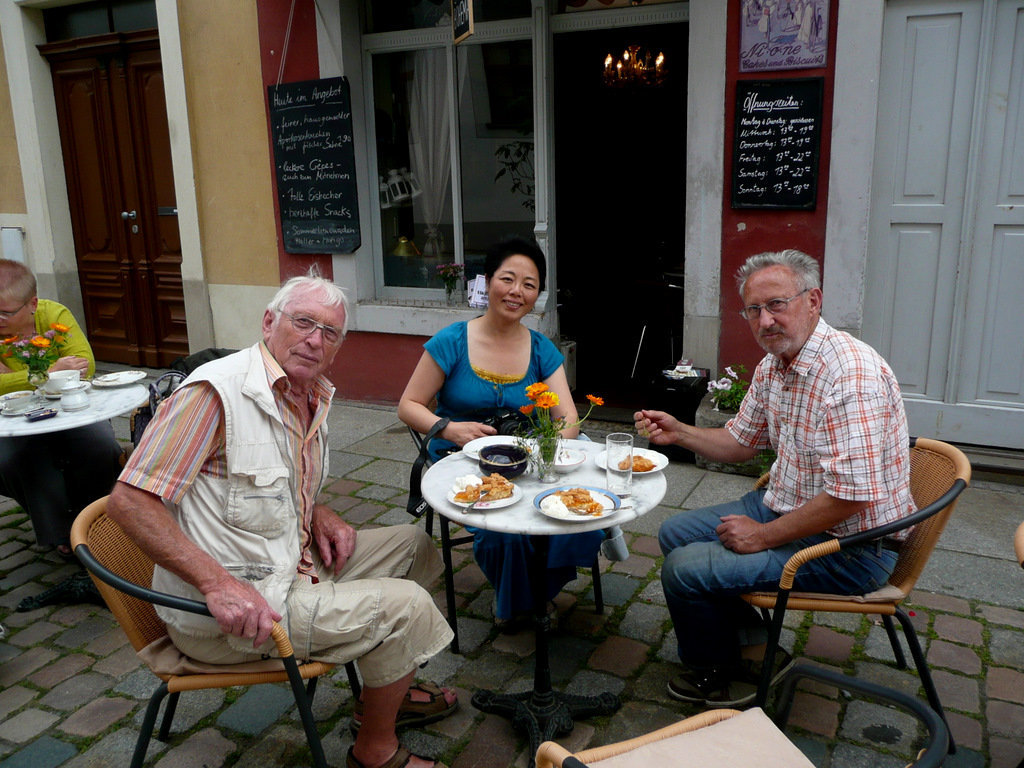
<point>707,416</point>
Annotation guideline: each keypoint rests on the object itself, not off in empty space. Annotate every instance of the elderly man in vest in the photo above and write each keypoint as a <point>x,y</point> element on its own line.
<point>221,493</point>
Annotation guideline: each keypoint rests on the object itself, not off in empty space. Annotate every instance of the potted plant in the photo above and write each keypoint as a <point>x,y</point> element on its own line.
<point>716,408</point>
<point>451,276</point>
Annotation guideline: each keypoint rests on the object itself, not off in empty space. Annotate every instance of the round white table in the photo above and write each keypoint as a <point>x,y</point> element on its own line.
<point>104,403</point>
<point>542,713</point>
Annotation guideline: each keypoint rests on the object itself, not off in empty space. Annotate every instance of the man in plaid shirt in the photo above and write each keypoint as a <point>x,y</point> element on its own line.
<point>831,408</point>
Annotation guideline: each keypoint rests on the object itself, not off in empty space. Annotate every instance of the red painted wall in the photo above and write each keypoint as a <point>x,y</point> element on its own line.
<point>301,63</point>
<point>766,230</point>
<point>375,367</point>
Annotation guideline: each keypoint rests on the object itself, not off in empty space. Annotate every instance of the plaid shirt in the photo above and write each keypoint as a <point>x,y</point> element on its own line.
<point>186,437</point>
<point>835,418</point>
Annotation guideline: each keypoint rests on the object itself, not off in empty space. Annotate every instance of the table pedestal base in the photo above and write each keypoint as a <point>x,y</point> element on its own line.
<point>542,717</point>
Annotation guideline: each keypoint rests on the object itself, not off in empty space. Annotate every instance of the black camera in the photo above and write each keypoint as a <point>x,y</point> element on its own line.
<point>506,422</point>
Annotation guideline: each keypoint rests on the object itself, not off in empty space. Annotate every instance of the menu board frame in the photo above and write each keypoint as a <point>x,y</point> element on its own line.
<point>777,143</point>
<point>462,20</point>
<point>315,165</point>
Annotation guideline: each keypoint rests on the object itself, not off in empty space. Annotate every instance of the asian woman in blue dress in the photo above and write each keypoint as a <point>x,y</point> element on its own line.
<point>484,366</point>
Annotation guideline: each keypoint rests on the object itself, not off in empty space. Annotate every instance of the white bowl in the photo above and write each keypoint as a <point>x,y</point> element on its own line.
<point>569,459</point>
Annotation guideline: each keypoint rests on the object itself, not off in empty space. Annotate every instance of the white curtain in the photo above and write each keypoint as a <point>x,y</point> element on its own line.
<point>429,142</point>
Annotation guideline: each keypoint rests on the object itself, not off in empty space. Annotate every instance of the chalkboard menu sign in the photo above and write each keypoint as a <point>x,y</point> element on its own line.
<point>462,20</point>
<point>776,141</point>
<point>311,127</point>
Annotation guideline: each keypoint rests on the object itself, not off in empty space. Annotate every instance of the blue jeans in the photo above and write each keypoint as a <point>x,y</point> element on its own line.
<point>703,580</point>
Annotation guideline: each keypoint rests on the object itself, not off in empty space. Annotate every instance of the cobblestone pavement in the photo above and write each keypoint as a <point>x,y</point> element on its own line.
<point>72,692</point>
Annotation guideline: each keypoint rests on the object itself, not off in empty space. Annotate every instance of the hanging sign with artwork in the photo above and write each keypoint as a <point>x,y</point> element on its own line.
<point>783,34</point>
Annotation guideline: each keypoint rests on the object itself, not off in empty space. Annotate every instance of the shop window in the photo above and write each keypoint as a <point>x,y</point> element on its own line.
<point>98,18</point>
<point>414,120</point>
<point>399,15</point>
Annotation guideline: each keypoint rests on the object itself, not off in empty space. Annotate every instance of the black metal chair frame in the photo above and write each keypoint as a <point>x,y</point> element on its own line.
<point>934,749</point>
<point>303,693</point>
<point>776,615</point>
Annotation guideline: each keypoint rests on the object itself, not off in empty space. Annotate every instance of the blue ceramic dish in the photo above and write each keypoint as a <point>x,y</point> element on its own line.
<point>507,460</point>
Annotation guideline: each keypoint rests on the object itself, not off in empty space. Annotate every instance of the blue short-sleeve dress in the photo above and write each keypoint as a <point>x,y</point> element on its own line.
<point>503,557</point>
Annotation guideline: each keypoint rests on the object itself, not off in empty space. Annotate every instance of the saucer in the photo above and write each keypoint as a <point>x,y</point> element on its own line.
<point>83,386</point>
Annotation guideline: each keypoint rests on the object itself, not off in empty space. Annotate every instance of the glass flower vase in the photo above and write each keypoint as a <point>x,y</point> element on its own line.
<point>544,461</point>
<point>37,378</point>
<point>453,296</point>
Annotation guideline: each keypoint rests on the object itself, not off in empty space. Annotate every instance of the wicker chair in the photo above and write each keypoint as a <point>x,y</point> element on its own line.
<point>123,574</point>
<point>725,738</point>
<point>939,473</point>
<point>1018,544</point>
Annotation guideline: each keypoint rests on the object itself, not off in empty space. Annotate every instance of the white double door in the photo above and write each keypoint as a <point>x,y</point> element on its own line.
<point>944,294</point>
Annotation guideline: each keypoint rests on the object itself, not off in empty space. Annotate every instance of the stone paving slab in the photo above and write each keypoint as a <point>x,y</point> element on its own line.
<point>72,692</point>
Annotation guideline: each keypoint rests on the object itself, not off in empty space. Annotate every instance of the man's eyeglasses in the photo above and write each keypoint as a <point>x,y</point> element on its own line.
<point>306,326</point>
<point>7,314</point>
<point>774,307</point>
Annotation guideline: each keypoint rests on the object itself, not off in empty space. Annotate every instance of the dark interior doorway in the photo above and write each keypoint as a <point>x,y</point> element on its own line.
<point>620,181</point>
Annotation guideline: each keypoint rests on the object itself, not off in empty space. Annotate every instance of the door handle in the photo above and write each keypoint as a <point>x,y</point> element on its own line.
<point>128,215</point>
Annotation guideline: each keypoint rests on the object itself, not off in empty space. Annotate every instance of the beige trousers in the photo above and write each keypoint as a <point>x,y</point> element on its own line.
<point>376,610</point>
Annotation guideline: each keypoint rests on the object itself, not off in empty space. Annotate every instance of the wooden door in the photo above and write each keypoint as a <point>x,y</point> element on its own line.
<point>117,160</point>
<point>947,229</point>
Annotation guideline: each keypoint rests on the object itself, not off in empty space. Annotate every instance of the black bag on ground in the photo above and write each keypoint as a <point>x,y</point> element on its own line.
<point>188,364</point>
<point>158,390</point>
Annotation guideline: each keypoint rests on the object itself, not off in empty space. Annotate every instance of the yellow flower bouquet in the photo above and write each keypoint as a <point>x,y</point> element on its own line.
<point>36,353</point>
<point>545,430</point>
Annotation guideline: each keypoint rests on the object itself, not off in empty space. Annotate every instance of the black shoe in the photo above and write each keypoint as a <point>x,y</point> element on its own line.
<point>750,671</point>
<point>714,687</point>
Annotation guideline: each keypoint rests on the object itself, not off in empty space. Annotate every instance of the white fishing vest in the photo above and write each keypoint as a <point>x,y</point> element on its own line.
<point>249,521</point>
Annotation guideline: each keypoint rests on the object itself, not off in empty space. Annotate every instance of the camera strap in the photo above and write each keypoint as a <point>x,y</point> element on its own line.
<point>417,505</point>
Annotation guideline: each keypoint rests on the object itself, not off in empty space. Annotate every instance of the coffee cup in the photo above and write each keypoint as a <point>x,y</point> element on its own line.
<point>74,397</point>
<point>60,379</point>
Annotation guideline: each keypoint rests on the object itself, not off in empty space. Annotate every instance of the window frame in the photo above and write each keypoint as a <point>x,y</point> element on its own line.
<point>420,39</point>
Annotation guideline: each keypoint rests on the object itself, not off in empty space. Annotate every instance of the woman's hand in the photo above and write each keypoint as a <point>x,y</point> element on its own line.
<point>71,363</point>
<point>461,432</point>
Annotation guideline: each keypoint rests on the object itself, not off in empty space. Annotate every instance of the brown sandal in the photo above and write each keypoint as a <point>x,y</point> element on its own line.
<point>398,760</point>
<point>414,713</point>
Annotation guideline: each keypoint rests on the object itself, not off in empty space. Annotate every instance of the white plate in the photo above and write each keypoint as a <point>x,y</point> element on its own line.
<point>472,448</point>
<point>119,379</point>
<point>483,506</point>
<point>84,385</point>
<point>660,460</point>
<point>604,497</point>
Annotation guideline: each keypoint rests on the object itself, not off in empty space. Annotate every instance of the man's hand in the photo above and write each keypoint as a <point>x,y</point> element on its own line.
<point>240,610</point>
<point>335,538</point>
<point>71,363</point>
<point>658,426</point>
<point>741,534</point>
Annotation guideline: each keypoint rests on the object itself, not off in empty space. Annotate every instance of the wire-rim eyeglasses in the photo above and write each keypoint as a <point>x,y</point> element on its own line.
<point>774,307</point>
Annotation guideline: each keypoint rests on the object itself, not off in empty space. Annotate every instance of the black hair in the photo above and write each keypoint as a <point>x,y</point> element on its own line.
<point>515,246</point>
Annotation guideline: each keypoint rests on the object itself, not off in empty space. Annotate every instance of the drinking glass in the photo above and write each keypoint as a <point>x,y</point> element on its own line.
<point>619,452</point>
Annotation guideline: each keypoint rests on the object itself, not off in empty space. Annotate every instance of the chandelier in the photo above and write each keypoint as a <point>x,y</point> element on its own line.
<point>637,66</point>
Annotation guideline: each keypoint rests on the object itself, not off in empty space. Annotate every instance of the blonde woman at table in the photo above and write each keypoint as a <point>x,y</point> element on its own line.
<point>484,365</point>
<point>54,475</point>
